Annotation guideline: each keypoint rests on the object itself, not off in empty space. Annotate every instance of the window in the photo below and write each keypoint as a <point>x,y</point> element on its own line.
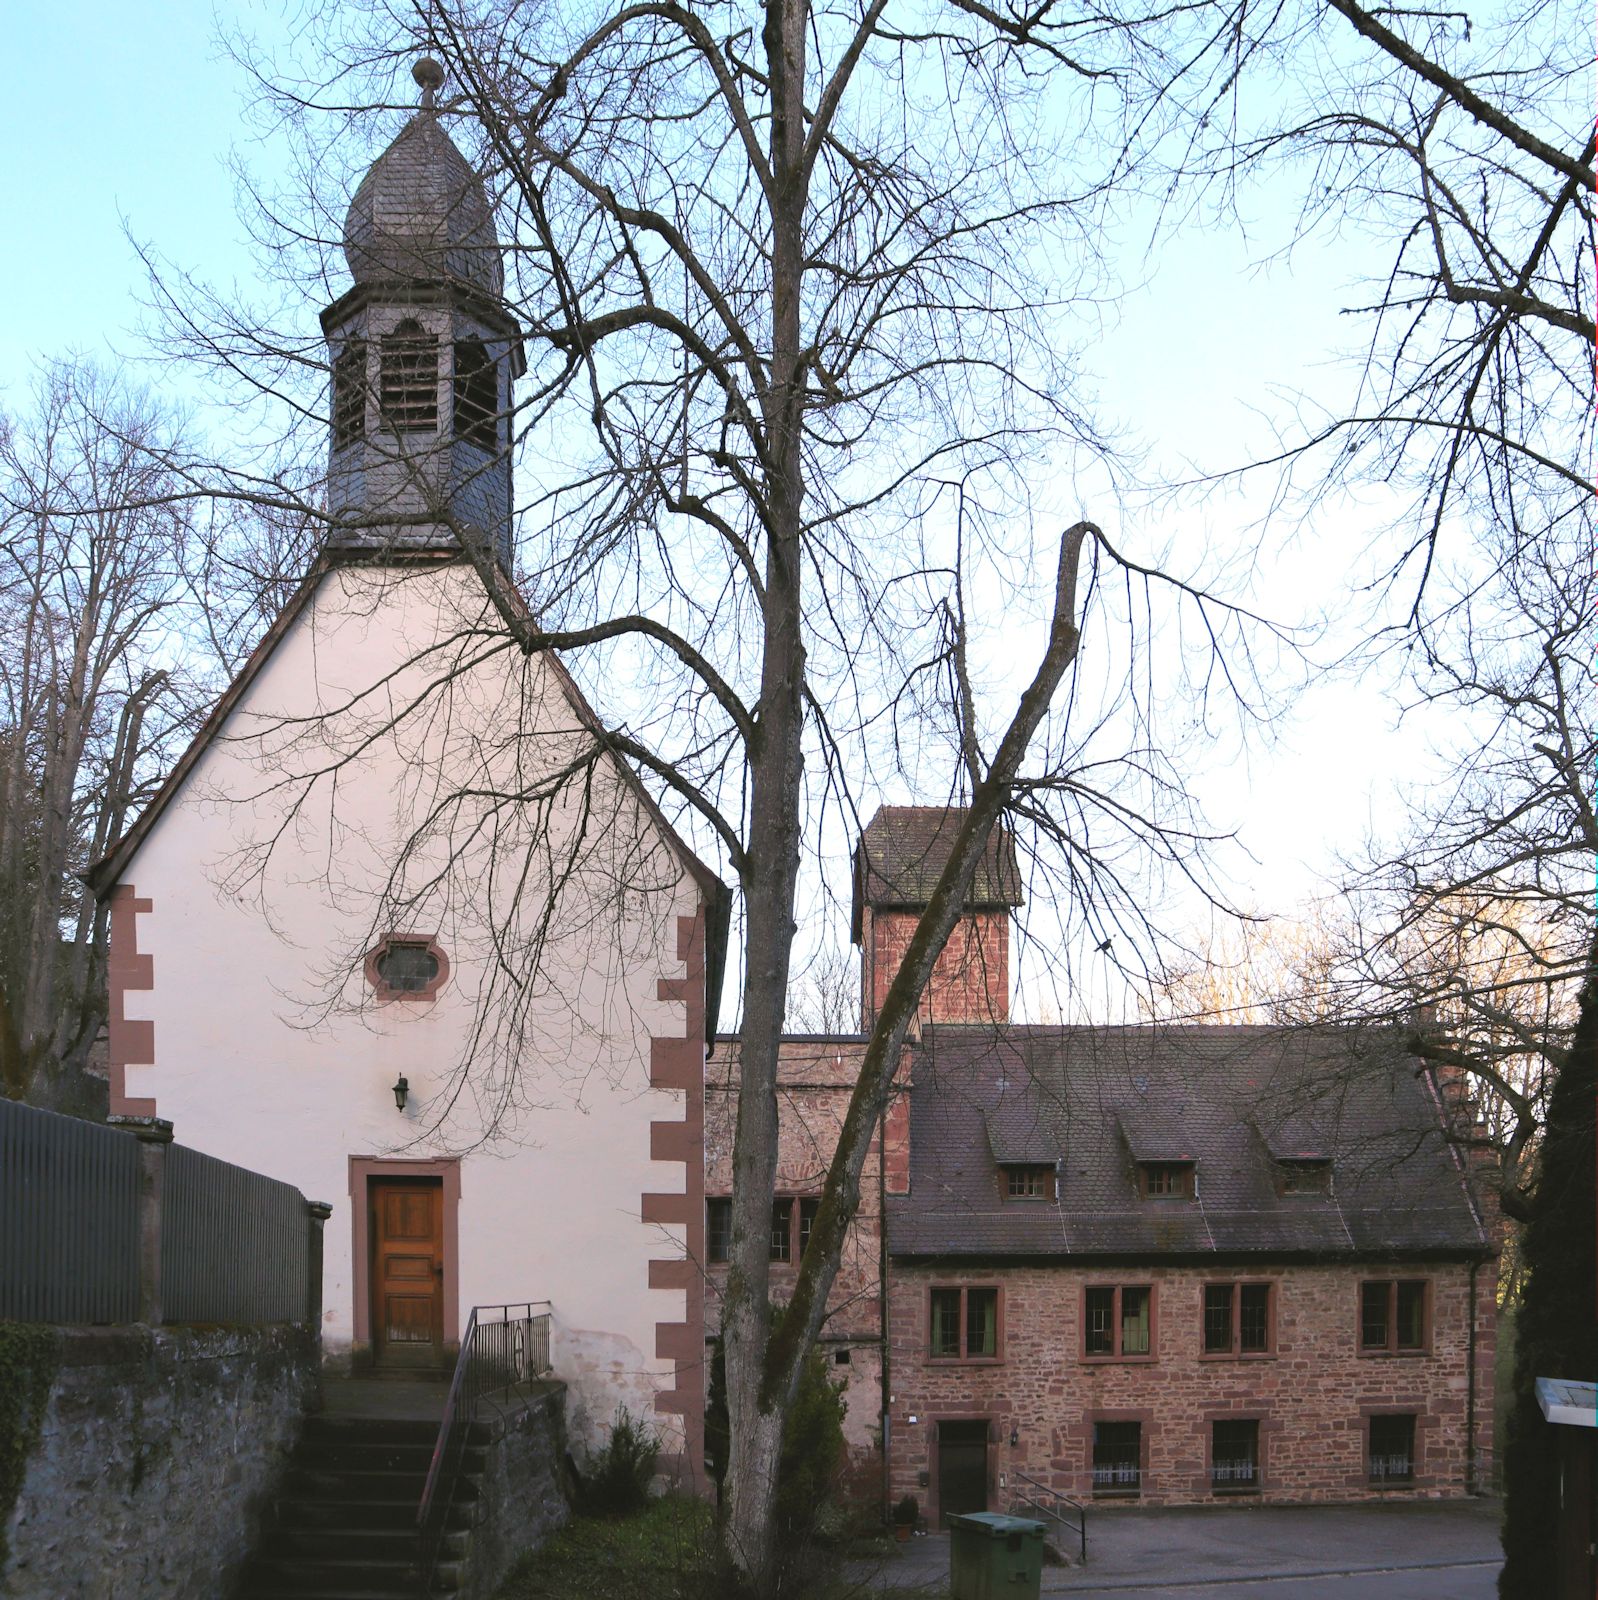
<point>1392,1449</point>
<point>476,395</point>
<point>1306,1177</point>
<point>1167,1180</point>
<point>718,1229</point>
<point>349,394</point>
<point>1118,1321</point>
<point>965,1324</point>
<point>1031,1182</point>
<point>807,1220</point>
<point>1117,1457</point>
<point>1235,1454</point>
<point>408,383</point>
<point>1237,1319</point>
<point>781,1229</point>
<point>408,967</point>
<point>1392,1315</point>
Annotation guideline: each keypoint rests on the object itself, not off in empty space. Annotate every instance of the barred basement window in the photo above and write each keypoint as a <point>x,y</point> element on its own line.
<point>1117,1457</point>
<point>1235,1454</point>
<point>476,395</point>
<point>408,387</point>
<point>1392,1450</point>
<point>349,394</point>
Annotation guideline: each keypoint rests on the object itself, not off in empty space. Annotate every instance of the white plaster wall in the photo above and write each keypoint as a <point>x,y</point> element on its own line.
<point>267,880</point>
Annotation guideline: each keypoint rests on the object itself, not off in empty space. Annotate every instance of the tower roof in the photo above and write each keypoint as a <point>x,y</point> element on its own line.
<point>904,849</point>
<point>421,213</point>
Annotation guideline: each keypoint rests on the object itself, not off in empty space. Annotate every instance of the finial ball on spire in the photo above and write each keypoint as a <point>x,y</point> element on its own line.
<point>429,75</point>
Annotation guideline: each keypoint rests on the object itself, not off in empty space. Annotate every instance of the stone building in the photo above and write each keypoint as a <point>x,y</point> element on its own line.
<point>1165,1264</point>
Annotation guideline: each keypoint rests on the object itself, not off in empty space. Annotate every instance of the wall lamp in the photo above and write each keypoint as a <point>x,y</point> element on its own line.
<point>401,1090</point>
<point>1015,1437</point>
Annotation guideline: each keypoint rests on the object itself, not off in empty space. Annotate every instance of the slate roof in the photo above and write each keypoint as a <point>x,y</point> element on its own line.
<point>1095,1101</point>
<point>421,214</point>
<point>903,849</point>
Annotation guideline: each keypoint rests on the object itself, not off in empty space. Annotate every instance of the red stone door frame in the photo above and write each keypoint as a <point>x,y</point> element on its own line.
<point>362,1170</point>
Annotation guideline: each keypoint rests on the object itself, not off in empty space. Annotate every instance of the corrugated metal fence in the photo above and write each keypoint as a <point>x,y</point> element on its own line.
<point>69,1219</point>
<point>100,1225</point>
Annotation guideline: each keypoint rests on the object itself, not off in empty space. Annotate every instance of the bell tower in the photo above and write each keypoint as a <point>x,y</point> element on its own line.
<point>423,354</point>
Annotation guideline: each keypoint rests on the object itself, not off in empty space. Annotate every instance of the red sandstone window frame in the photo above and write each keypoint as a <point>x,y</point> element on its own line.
<point>1417,1439</point>
<point>1232,1487</point>
<point>798,1214</point>
<point>1391,1344</point>
<point>1235,1350</point>
<point>964,1291</point>
<point>383,992</point>
<point>1117,1328</point>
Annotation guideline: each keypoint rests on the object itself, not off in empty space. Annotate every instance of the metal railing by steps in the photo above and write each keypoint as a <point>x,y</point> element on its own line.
<point>1054,1508</point>
<point>504,1350</point>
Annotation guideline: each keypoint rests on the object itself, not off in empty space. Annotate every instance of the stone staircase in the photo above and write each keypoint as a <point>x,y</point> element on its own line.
<point>344,1525</point>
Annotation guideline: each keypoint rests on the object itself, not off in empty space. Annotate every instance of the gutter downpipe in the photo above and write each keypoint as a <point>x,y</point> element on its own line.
<point>882,1298</point>
<point>1470,1389</point>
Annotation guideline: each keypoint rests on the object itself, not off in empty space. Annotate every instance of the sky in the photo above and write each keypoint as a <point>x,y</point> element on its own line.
<point>121,122</point>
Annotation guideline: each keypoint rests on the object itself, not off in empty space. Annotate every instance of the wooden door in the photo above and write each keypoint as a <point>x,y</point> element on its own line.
<point>962,1468</point>
<point>407,1220</point>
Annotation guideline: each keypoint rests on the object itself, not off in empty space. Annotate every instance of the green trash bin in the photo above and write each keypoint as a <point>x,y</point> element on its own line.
<point>994,1557</point>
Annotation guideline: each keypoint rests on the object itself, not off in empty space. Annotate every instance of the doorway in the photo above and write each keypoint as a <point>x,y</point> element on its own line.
<point>962,1468</point>
<point>406,1221</point>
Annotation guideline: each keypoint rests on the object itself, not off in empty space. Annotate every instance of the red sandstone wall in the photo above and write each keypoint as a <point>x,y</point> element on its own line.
<point>1311,1395</point>
<point>971,979</point>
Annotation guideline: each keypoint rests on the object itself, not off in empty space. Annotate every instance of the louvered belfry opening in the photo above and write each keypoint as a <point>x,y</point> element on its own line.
<point>408,389</point>
<point>349,394</point>
<point>476,395</point>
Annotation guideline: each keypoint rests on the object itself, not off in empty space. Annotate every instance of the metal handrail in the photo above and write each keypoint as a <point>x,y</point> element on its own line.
<point>1080,1528</point>
<point>504,1347</point>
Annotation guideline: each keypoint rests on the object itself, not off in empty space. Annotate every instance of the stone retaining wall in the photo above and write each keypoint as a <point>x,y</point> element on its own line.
<point>157,1456</point>
<point>525,1490</point>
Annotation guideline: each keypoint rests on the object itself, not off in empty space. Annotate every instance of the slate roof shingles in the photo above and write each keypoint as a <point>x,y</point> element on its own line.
<point>1227,1096</point>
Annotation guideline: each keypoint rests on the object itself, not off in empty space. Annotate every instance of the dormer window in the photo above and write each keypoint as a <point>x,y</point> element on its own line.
<point>349,394</point>
<point>1305,1177</point>
<point>408,386</point>
<point>1028,1181</point>
<point>1166,1180</point>
<point>476,395</point>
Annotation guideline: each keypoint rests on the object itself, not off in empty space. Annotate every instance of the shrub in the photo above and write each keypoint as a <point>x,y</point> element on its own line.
<point>618,1482</point>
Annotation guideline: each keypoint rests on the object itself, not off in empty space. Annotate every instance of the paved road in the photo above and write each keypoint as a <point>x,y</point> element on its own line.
<point>1401,1550</point>
<point>1472,1580</point>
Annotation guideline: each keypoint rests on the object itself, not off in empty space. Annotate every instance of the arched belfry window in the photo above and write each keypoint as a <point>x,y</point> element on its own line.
<point>408,387</point>
<point>476,395</point>
<point>349,393</point>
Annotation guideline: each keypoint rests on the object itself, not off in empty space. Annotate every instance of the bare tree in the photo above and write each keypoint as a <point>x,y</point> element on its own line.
<point>95,540</point>
<point>794,282</point>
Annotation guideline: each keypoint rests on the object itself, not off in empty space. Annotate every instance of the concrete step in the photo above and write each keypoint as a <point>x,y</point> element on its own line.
<point>346,1543</point>
<point>365,1455</point>
<point>326,1575</point>
<point>378,1484</point>
<point>320,1513</point>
